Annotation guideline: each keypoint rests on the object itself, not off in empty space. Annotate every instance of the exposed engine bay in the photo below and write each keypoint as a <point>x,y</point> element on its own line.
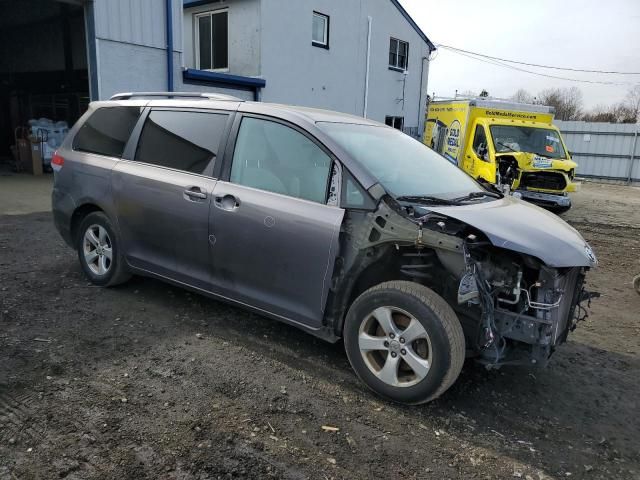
<point>526,308</point>
<point>514,308</point>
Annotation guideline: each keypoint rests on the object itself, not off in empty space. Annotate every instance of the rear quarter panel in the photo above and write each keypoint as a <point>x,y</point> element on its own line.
<point>84,179</point>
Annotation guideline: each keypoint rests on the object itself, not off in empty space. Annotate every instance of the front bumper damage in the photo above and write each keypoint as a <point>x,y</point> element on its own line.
<point>513,273</point>
<point>545,314</point>
<point>552,200</point>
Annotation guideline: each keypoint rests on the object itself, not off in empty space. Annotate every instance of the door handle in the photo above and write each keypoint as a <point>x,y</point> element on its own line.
<point>227,202</point>
<point>194,192</point>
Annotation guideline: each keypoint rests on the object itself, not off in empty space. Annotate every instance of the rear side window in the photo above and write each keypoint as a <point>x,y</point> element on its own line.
<point>107,130</point>
<point>186,141</point>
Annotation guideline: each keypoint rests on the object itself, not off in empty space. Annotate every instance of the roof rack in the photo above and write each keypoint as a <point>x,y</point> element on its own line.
<point>202,96</point>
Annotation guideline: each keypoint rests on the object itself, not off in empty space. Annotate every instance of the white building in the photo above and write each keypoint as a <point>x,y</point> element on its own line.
<point>365,57</point>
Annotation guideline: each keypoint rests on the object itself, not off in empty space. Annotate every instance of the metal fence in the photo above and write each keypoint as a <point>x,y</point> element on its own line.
<point>412,132</point>
<point>604,150</point>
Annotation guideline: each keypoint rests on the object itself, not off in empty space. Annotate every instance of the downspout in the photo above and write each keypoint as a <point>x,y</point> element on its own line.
<point>420,115</point>
<point>366,77</point>
<point>169,15</point>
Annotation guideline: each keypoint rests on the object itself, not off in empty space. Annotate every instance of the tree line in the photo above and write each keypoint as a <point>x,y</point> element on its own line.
<point>568,103</point>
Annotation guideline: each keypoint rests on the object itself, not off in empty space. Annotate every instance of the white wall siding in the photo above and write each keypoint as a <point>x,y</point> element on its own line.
<point>603,150</point>
<point>271,39</point>
<point>386,86</point>
<point>119,74</point>
<point>139,22</point>
<point>301,74</point>
<point>131,45</point>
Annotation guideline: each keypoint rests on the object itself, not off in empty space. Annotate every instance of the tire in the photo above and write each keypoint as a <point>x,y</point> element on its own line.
<point>560,210</point>
<point>94,251</point>
<point>428,363</point>
<point>636,284</point>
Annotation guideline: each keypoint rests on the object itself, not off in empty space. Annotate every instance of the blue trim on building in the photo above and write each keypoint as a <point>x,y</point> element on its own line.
<point>412,22</point>
<point>169,15</point>
<point>196,3</point>
<point>223,78</point>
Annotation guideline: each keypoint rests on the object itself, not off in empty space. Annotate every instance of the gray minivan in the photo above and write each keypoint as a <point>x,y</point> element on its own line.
<point>338,225</point>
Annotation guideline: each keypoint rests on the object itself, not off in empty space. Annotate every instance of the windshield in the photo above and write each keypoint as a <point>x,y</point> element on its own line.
<point>402,165</point>
<point>541,141</point>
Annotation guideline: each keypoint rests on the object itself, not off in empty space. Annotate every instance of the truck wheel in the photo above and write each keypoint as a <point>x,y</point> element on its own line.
<point>99,251</point>
<point>560,210</point>
<point>404,342</point>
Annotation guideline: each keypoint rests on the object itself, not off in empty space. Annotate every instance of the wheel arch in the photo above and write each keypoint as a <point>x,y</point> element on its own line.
<point>378,268</point>
<point>79,214</point>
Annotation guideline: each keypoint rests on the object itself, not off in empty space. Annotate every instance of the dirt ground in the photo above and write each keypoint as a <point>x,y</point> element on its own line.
<point>146,381</point>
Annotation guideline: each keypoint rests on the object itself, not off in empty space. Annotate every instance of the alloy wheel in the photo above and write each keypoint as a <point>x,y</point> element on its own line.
<point>97,249</point>
<point>395,346</point>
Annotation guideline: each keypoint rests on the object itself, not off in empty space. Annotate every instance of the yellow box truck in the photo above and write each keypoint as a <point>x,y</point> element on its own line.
<point>505,144</point>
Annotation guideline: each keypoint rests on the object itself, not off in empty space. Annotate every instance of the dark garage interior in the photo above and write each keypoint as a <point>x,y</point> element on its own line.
<point>43,74</point>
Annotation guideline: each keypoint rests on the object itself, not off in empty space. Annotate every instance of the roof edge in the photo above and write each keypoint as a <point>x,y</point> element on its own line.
<point>415,26</point>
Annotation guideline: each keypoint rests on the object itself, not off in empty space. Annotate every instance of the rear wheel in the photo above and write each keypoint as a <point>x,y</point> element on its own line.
<point>99,251</point>
<point>404,341</point>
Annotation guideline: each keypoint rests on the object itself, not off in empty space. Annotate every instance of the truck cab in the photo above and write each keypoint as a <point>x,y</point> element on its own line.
<point>512,146</point>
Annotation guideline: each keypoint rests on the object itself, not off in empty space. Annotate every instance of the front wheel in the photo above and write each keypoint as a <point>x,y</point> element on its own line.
<point>404,341</point>
<point>560,210</point>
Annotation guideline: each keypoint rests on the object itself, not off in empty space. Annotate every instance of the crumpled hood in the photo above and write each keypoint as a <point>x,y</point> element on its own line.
<point>515,225</point>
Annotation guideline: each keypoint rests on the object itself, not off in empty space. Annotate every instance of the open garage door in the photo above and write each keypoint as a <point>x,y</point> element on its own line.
<point>43,76</point>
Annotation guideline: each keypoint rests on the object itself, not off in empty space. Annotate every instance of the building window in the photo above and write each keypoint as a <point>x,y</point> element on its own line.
<point>395,122</point>
<point>398,54</point>
<point>212,40</point>
<point>320,33</point>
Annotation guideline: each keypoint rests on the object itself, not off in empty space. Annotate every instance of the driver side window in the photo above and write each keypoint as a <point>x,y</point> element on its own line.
<point>276,158</point>
<point>480,143</point>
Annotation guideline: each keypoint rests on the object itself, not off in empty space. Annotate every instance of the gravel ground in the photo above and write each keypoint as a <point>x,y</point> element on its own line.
<point>149,381</point>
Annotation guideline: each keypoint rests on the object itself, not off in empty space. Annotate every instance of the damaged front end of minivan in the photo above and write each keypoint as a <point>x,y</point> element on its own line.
<point>513,274</point>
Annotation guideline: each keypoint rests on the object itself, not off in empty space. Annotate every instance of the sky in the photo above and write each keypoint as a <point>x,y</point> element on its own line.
<point>585,34</point>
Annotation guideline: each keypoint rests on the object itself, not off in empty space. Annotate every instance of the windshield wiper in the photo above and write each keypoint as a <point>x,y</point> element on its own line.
<point>506,146</point>
<point>426,200</point>
<point>474,195</point>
